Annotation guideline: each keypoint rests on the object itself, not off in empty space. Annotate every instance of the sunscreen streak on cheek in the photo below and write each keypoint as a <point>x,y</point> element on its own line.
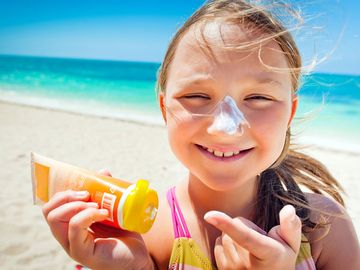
<point>131,206</point>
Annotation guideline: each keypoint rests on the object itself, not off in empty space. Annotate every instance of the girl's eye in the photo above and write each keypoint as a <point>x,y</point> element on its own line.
<point>196,97</point>
<point>258,97</point>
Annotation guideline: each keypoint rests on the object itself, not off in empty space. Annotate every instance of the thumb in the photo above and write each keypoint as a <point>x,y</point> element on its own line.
<point>290,227</point>
<point>105,172</point>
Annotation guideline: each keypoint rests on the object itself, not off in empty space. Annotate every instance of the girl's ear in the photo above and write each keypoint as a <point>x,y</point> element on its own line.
<point>162,106</point>
<point>293,109</point>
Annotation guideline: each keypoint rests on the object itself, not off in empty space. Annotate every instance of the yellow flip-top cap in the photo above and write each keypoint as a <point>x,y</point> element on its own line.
<point>140,208</point>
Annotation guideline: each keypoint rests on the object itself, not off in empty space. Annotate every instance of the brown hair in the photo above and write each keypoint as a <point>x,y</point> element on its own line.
<point>280,184</point>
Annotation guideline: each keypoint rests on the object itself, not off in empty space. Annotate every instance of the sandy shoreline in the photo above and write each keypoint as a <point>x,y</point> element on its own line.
<point>129,150</point>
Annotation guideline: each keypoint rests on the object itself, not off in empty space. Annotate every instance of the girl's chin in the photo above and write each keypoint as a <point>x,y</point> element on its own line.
<point>222,184</point>
<point>223,188</point>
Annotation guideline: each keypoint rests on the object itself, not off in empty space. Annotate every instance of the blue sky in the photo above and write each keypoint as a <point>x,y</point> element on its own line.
<point>141,30</point>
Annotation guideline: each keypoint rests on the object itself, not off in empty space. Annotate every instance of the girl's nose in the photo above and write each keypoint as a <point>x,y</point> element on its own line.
<point>228,119</point>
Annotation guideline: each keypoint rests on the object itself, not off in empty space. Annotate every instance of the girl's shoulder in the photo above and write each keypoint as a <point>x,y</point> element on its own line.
<point>333,244</point>
<point>159,240</point>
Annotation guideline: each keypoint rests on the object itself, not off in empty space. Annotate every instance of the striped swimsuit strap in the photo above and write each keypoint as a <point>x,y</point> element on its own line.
<point>186,254</point>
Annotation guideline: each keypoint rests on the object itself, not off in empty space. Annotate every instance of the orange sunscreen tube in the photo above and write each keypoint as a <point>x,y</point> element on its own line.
<point>131,207</point>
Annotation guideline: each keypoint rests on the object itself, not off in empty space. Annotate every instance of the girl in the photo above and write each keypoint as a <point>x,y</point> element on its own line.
<point>227,92</point>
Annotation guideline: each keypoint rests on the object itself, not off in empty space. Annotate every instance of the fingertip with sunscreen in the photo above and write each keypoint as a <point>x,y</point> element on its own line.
<point>212,216</point>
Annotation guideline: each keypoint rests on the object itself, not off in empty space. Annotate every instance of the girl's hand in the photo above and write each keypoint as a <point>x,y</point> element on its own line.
<point>243,245</point>
<point>72,221</point>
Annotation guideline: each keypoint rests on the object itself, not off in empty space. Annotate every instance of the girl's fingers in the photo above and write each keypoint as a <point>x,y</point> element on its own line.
<point>80,238</point>
<point>253,241</point>
<point>65,212</point>
<point>230,250</point>
<point>59,218</point>
<point>290,227</point>
<point>105,172</point>
<point>252,225</point>
<point>64,197</point>
<point>220,258</point>
<point>243,253</point>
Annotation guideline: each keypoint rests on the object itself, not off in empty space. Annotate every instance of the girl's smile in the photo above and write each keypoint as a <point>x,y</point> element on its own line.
<point>223,156</point>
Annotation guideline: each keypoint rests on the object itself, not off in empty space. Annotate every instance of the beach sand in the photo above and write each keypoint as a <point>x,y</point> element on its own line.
<point>128,150</point>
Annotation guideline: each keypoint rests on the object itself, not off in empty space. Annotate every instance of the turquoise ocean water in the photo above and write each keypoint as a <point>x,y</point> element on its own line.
<point>328,114</point>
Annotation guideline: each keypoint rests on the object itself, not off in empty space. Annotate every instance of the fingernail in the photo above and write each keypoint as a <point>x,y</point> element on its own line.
<point>211,221</point>
<point>293,219</point>
<point>209,217</point>
<point>104,212</point>
<point>82,193</point>
<point>292,213</point>
<point>105,172</point>
<point>93,204</point>
<point>211,214</point>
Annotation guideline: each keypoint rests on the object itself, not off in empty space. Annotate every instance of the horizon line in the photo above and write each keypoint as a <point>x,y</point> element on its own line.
<point>136,61</point>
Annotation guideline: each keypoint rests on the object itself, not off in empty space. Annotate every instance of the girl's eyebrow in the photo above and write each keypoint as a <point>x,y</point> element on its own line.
<point>269,81</point>
<point>201,78</point>
<point>198,78</point>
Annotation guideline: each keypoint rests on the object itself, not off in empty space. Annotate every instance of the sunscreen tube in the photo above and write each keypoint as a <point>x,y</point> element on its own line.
<point>131,207</point>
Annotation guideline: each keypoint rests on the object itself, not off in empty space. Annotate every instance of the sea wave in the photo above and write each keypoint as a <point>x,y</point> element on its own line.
<point>85,107</point>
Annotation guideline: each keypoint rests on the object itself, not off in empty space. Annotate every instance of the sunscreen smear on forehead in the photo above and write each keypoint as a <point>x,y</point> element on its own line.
<point>131,206</point>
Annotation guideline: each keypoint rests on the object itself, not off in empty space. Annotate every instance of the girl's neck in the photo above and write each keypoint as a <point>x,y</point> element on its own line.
<point>239,201</point>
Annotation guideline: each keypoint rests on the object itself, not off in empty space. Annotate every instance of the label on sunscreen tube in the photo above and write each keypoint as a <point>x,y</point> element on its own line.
<point>131,206</point>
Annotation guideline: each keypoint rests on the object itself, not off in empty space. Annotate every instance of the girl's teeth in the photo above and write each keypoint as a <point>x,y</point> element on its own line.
<point>228,154</point>
<point>220,154</point>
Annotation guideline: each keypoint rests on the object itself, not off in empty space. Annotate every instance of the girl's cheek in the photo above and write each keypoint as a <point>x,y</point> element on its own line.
<point>278,112</point>
<point>270,124</point>
<point>265,125</point>
<point>179,134</point>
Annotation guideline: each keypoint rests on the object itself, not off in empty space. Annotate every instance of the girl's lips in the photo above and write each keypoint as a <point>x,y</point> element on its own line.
<point>235,157</point>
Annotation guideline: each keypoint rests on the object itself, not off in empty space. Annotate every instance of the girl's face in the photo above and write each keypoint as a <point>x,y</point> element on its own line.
<point>199,79</point>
